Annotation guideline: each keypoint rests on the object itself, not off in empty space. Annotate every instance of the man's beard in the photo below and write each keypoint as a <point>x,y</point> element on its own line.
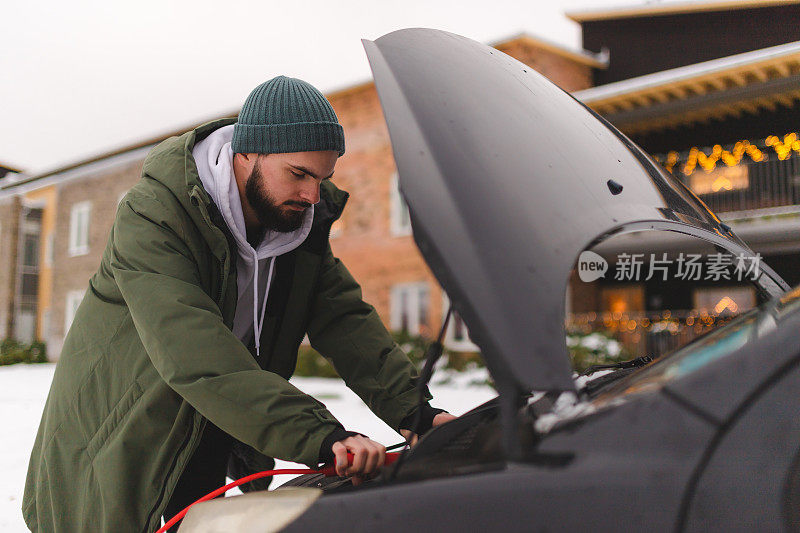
<point>269,214</point>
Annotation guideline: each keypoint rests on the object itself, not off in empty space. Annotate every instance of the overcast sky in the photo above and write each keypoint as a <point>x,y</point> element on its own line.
<point>80,78</point>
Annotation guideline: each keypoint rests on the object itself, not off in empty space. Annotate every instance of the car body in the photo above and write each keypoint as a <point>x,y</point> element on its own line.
<point>508,179</point>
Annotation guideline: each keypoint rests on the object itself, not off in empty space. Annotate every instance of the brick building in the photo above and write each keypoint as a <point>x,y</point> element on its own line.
<point>711,89</point>
<point>54,226</point>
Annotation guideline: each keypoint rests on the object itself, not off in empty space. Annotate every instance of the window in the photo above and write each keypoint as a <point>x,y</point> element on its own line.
<point>25,323</point>
<point>400,221</point>
<point>457,336</point>
<point>30,250</point>
<point>73,301</point>
<point>410,305</point>
<point>29,286</point>
<point>79,228</point>
<point>725,300</point>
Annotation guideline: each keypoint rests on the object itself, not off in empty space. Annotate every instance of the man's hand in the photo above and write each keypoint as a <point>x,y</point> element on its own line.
<point>368,456</point>
<point>441,418</point>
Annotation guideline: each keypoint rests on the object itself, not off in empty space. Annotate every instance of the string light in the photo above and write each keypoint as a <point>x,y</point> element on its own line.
<point>731,156</point>
<point>697,319</point>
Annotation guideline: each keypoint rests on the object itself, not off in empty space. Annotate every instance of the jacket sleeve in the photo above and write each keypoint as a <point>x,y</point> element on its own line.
<point>348,331</point>
<point>183,333</point>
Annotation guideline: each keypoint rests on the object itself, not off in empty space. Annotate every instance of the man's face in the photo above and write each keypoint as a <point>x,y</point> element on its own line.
<point>281,187</point>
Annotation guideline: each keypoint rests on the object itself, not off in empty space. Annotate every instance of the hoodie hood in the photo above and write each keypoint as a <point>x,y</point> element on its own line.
<point>254,269</point>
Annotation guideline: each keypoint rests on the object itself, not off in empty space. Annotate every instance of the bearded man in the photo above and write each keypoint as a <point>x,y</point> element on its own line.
<point>174,372</point>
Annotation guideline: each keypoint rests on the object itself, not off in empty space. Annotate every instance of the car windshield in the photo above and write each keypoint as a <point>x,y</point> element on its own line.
<point>708,348</point>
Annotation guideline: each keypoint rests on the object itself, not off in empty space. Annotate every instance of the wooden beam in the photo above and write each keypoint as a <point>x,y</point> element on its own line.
<point>719,113</point>
<point>679,92</point>
<point>718,83</point>
<point>782,69</point>
<point>738,78</point>
<point>732,111</point>
<point>624,104</point>
<point>601,108</point>
<point>750,107</point>
<point>767,103</point>
<point>759,73</point>
<point>660,96</point>
<point>785,99</point>
<point>698,88</point>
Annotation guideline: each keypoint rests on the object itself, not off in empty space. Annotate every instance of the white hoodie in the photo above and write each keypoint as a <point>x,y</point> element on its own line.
<point>214,159</point>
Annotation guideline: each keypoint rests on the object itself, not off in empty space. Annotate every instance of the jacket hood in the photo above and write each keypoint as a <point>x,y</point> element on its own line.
<point>508,178</point>
<point>172,164</point>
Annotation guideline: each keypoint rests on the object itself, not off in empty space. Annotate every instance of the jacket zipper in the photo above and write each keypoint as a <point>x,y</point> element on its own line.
<point>195,195</point>
<point>189,435</point>
<point>223,279</point>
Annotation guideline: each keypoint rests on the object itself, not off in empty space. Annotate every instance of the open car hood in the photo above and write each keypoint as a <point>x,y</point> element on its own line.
<point>507,180</point>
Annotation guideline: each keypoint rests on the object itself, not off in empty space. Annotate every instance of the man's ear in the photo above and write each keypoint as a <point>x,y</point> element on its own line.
<point>247,159</point>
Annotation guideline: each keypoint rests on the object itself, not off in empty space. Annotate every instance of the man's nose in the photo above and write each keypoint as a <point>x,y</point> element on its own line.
<point>310,193</point>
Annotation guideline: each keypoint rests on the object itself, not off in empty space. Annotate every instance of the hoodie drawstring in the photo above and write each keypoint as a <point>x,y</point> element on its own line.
<point>214,158</point>
<point>258,323</point>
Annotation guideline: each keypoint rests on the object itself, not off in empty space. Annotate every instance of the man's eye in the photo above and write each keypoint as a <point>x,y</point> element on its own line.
<point>296,174</point>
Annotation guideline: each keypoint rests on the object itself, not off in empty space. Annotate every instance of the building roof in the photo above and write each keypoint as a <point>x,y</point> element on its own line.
<point>92,164</point>
<point>670,8</point>
<point>584,57</point>
<point>7,168</point>
<point>9,174</point>
<point>727,86</point>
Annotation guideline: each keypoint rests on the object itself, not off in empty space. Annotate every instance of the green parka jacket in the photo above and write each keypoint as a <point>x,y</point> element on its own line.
<point>150,356</point>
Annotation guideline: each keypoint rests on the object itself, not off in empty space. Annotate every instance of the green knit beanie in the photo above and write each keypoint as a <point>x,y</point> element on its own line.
<point>286,115</point>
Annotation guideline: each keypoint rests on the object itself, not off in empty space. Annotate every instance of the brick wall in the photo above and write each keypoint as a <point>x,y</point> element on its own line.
<point>72,273</point>
<point>9,222</point>
<point>377,259</point>
<point>564,72</point>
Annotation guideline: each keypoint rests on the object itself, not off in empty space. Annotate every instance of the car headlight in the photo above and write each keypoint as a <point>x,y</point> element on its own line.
<point>255,512</point>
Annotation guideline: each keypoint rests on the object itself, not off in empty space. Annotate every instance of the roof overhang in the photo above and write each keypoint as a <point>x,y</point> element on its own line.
<point>716,89</point>
<point>671,8</point>
<point>583,57</point>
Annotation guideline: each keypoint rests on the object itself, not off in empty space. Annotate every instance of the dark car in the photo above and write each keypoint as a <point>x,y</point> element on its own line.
<point>508,179</point>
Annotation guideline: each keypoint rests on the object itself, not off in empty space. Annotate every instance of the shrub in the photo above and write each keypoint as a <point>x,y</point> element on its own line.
<point>416,346</point>
<point>311,364</point>
<point>594,349</point>
<point>12,352</point>
<point>38,351</point>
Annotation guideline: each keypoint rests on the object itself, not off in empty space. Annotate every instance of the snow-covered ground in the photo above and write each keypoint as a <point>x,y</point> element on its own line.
<point>23,390</point>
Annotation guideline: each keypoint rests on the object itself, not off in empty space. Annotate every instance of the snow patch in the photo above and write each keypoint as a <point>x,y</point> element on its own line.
<point>24,388</point>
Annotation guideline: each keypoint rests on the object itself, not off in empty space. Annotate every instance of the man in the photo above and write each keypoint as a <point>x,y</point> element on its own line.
<point>175,369</point>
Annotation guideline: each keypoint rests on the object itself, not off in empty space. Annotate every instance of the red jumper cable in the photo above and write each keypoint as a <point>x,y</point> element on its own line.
<point>327,470</point>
